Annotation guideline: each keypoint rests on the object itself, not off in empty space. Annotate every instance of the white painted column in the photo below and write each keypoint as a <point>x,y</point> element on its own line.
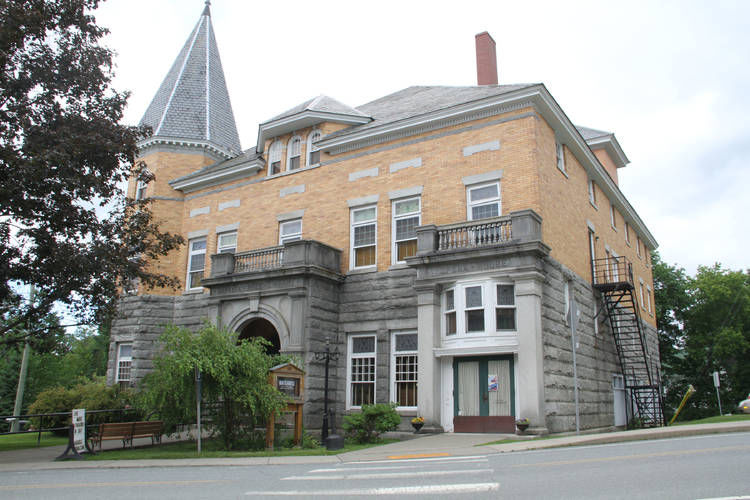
<point>428,329</point>
<point>530,382</point>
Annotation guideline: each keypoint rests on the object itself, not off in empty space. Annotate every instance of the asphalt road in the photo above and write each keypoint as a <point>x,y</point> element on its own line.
<point>712,466</point>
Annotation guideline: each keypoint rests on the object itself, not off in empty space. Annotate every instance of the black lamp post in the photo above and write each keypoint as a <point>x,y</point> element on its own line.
<point>326,356</point>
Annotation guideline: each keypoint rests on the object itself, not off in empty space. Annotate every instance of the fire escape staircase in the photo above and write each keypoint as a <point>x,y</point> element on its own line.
<point>613,277</point>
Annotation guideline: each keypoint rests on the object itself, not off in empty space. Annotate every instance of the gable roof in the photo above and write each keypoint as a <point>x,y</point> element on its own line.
<point>323,104</point>
<point>192,102</point>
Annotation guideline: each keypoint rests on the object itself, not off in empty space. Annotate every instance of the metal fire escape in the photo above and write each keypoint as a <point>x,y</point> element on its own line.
<point>613,277</point>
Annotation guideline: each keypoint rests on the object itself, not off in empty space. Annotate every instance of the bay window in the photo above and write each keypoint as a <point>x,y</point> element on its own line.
<point>479,308</point>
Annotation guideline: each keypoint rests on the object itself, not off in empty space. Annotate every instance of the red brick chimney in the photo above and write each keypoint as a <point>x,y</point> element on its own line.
<point>486,60</point>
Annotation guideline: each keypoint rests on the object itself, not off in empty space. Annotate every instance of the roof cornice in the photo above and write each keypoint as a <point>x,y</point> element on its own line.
<point>197,181</point>
<point>306,118</point>
<point>610,144</point>
<point>145,144</point>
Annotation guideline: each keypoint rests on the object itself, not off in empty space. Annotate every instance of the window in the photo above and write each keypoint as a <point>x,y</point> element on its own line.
<point>612,216</point>
<point>274,158</point>
<point>648,299</point>
<point>361,369</point>
<point>313,153</point>
<point>363,237</point>
<point>294,151</point>
<point>475,308</point>
<point>606,266</point>
<point>406,218</point>
<point>566,302</point>
<point>505,311</point>
<point>616,267</point>
<point>627,233</point>
<point>140,190</point>
<point>592,192</point>
<point>124,363</point>
<point>227,242</point>
<point>592,251</point>
<point>404,369</point>
<point>450,312</point>
<point>643,301</point>
<point>638,246</point>
<point>290,231</point>
<point>196,263</point>
<point>560,157</point>
<point>483,201</point>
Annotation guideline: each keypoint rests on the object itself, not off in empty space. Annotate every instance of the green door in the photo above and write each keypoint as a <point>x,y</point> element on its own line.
<point>483,387</point>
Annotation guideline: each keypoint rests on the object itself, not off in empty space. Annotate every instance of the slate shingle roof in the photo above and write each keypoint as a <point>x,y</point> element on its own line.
<point>590,133</point>
<point>321,103</point>
<point>192,101</point>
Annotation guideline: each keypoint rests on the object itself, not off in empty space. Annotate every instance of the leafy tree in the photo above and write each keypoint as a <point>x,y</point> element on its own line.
<point>717,337</point>
<point>66,226</point>
<point>235,381</point>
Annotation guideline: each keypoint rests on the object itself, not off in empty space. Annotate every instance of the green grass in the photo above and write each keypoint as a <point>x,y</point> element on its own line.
<point>21,441</point>
<point>211,449</point>
<point>716,420</point>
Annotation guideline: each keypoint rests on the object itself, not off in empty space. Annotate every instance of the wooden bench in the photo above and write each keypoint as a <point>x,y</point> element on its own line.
<point>127,431</point>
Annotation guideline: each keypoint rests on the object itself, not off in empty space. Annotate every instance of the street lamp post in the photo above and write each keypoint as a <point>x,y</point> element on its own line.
<point>326,356</point>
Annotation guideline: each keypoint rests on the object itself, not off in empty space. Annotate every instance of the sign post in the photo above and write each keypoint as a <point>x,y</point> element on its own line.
<point>716,384</point>
<point>198,397</point>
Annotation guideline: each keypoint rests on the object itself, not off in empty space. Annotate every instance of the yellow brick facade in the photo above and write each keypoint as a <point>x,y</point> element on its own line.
<point>530,180</point>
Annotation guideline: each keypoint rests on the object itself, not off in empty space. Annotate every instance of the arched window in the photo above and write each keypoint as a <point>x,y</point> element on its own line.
<point>274,158</point>
<point>294,150</point>
<point>313,153</point>
<point>140,189</point>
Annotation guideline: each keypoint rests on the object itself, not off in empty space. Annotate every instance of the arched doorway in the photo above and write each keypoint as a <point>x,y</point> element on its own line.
<point>260,327</point>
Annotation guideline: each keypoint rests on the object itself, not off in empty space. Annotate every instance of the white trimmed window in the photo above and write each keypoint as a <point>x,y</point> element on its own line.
<point>406,219</point>
<point>226,242</point>
<point>608,263</point>
<point>627,232</point>
<point>505,310</point>
<point>361,370</point>
<point>592,192</point>
<point>404,369</point>
<point>140,190</point>
<point>560,157</point>
<point>274,158</point>
<point>294,152</point>
<point>648,299</point>
<point>638,246</point>
<point>612,216</point>
<point>313,153</point>
<point>449,308</point>
<point>124,363</point>
<point>616,267</point>
<point>363,237</point>
<point>479,308</point>
<point>643,300</point>
<point>483,201</point>
<point>290,230</point>
<point>196,263</point>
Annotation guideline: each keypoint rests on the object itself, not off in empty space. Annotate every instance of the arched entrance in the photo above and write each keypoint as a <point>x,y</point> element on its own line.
<point>263,328</point>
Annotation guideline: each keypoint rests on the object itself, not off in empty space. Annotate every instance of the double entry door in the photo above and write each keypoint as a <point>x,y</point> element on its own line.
<point>484,394</point>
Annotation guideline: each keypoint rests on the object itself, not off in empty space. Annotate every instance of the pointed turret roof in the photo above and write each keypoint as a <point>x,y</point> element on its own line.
<point>192,103</point>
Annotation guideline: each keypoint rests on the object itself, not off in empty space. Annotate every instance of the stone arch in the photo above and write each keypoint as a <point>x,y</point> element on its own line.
<point>262,322</point>
<point>261,327</point>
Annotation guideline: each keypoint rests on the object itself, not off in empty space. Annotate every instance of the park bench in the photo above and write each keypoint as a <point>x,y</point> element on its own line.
<point>127,431</point>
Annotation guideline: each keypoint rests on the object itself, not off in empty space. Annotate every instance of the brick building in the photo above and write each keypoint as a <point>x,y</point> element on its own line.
<point>447,241</point>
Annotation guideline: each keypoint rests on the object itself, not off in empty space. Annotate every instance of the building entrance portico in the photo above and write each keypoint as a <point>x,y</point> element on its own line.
<point>260,327</point>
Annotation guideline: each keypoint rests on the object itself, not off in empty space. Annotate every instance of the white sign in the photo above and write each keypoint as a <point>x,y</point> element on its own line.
<point>716,379</point>
<point>79,430</point>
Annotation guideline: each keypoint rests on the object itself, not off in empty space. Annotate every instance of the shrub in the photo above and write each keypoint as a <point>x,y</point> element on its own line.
<point>373,420</point>
<point>89,394</point>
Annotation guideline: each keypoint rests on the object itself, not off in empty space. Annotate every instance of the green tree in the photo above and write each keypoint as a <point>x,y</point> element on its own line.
<point>717,337</point>
<point>66,226</point>
<point>235,381</point>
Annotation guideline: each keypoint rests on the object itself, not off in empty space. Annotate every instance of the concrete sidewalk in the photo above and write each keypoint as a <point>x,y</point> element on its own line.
<point>428,445</point>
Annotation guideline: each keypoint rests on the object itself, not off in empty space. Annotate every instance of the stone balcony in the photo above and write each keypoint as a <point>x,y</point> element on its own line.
<point>306,256</point>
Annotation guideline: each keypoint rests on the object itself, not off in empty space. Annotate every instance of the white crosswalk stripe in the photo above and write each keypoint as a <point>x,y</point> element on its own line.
<point>400,475</point>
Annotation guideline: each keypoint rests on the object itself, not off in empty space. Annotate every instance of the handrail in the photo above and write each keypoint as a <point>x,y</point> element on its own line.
<point>473,234</point>
<point>262,258</point>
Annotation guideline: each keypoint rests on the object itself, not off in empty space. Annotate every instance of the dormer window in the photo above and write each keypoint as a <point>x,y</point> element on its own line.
<point>313,153</point>
<point>294,150</point>
<point>274,158</point>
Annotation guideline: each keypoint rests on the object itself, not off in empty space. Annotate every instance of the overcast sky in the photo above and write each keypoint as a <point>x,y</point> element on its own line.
<point>669,78</point>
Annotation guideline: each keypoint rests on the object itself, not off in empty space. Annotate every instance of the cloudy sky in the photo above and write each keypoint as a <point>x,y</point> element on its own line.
<point>669,78</point>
